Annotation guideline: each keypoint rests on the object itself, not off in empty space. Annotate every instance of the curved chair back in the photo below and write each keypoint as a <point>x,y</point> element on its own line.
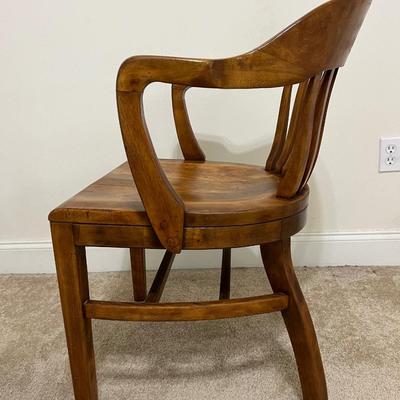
<point>319,41</point>
<point>308,52</point>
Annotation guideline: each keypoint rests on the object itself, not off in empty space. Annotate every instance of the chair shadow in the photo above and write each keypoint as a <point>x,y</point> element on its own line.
<point>155,351</point>
<point>218,148</point>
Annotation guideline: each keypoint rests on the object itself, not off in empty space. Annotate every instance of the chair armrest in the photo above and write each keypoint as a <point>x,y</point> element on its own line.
<point>137,72</point>
<point>163,206</point>
<point>255,69</point>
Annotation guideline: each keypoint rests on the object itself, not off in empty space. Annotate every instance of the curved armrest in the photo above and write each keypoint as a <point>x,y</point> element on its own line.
<point>163,206</point>
<point>137,72</point>
<point>255,69</point>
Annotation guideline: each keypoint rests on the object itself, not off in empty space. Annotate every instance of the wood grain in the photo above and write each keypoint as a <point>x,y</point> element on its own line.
<point>214,194</point>
<point>196,238</point>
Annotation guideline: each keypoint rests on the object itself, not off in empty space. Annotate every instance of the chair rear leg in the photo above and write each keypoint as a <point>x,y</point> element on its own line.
<point>74,291</point>
<point>138,268</point>
<point>278,265</point>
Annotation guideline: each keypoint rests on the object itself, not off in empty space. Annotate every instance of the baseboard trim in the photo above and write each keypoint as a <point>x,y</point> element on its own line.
<point>311,249</point>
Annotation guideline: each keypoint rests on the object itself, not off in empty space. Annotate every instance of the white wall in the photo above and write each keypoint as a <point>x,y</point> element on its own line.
<point>59,128</point>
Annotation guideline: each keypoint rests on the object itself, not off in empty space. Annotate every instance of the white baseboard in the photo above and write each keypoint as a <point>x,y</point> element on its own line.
<point>311,249</point>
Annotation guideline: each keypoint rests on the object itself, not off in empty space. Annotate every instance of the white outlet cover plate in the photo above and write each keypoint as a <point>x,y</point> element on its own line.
<point>389,154</point>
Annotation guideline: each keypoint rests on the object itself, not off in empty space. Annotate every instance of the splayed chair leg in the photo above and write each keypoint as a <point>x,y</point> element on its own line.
<point>278,265</point>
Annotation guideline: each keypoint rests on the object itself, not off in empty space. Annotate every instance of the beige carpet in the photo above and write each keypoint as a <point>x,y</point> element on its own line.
<point>356,313</point>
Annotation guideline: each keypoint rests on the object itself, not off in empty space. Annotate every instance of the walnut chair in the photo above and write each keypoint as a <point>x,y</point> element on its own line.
<point>147,203</point>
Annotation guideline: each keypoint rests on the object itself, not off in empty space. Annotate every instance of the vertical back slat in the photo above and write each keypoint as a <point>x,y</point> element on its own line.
<point>295,165</point>
<point>319,123</point>
<point>290,139</point>
<point>281,129</point>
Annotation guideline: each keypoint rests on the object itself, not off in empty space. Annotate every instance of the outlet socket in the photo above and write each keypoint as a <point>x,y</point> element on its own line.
<point>389,157</point>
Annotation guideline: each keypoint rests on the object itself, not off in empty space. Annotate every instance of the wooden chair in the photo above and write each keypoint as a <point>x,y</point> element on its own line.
<point>194,204</point>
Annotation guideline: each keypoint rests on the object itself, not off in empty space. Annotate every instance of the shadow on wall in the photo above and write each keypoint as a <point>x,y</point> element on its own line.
<point>218,148</point>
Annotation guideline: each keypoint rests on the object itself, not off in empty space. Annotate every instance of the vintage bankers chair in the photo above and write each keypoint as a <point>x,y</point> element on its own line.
<point>195,204</point>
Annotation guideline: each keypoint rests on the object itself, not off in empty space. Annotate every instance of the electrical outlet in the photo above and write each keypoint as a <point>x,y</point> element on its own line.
<point>389,159</point>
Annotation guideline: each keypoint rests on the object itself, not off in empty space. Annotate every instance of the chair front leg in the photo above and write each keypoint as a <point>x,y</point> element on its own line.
<point>278,265</point>
<point>74,291</point>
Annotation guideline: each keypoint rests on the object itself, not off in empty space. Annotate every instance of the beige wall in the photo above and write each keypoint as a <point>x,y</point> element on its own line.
<point>59,128</point>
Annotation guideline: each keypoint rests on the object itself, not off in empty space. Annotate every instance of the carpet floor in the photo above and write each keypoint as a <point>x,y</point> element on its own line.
<point>356,313</point>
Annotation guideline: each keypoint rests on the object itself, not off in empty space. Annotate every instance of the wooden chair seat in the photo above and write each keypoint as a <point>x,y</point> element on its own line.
<point>214,194</point>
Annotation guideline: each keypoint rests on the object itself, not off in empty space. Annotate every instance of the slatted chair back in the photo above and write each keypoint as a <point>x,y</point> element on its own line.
<point>308,53</point>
